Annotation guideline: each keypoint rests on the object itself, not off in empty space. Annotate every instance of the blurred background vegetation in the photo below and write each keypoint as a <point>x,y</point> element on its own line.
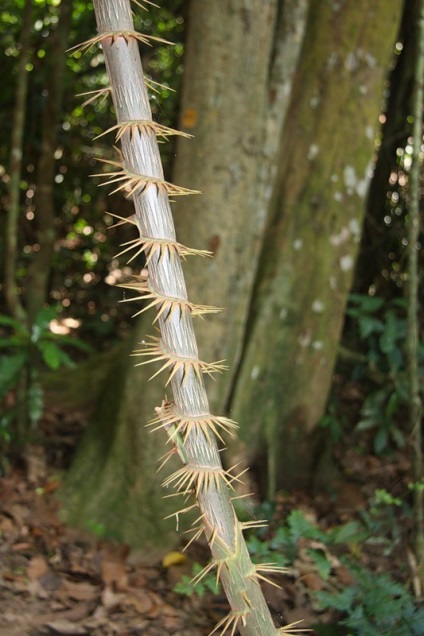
<point>60,304</point>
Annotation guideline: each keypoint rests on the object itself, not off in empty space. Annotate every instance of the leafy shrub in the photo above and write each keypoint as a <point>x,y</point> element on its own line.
<point>25,352</point>
<point>381,328</point>
<point>187,586</point>
<point>374,605</point>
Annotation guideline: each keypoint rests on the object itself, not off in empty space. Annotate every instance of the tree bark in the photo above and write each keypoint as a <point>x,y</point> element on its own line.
<point>412,336</point>
<point>45,213</point>
<point>114,475</point>
<point>235,110</point>
<point>225,108</point>
<point>307,261</point>
<point>238,117</point>
<point>12,295</point>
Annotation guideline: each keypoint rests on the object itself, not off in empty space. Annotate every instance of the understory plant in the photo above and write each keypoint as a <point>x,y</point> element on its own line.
<point>194,432</point>
<point>373,602</point>
<point>24,353</point>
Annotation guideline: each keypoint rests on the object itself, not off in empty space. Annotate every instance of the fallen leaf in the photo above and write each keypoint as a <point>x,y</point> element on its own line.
<point>110,599</point>
<point>78,591</point>
<point>141,600</point>
<point>113,566</point>
<point>66,627</point>
<point>173,558</point>
<point>37,567</point>
<point>313,581</point>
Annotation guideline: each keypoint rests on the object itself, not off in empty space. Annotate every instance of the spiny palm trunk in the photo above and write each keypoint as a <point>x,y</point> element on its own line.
<point>190,426</point>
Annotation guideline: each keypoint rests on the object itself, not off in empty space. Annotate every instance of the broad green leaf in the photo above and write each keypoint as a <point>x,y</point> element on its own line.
<point>366,425</point>
<point>391,333</point>
<point>8,321</point>
<point>368,325</point>
<point>69,340</point>
<point>398,437</point>
<point>392,405</point>
<point>51,354</point>
<point>9,371</point>
<point>14,341</point>
<point>380,440</point>
<point>350,532</point>
<point>367,304</point>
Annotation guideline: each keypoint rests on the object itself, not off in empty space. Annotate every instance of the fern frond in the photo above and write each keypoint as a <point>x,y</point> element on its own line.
<point>143,125</point>
<point>168,415</point>
<point>102,92</point>
<point>114,35</point>
<point>156,351</point>
<point>231,621</point>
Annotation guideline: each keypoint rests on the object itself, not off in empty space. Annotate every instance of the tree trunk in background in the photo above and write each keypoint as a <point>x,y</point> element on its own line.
<point>39,269</point>
<point>113,482</point>
<point>11,243</point>
<point>239,61</point>
<point>308,257</point>
<point>236,118</point>
<point>372,259</point>
<point>242,71</point>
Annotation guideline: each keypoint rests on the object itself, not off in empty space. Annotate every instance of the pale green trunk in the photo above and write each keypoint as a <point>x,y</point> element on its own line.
<point>238,67</point>
<point>309,253</point>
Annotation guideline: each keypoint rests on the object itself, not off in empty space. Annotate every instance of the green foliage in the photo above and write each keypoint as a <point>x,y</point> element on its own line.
<point>282,548</point>
<point>375,604</point>
<point>380,330</point>
<point>186,587</point>
<point>24,352</point>
<point>80,268</point>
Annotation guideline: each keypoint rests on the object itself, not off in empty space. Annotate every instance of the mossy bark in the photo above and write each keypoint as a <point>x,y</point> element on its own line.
<point>114,475</point>
<point>309,254</point>
<point>238,67</point>
<point>37,282</point>
<point>235,110</point>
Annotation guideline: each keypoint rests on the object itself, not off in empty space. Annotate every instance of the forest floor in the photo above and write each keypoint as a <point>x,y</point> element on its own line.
<point>58,580</point>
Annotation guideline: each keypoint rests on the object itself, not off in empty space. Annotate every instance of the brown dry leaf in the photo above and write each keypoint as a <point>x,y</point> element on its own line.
<point>66,627</point>
<point>23,545</point>
<point>37,567</point>
<point>141,601</point>
<point>110,599</point>
<point>313,581</point>
<point>344,576</point>
<point>51,486</point>
<point>113,566</point>
<point>7,527</point>
<point>78,591</point>
<point>77,613</point>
